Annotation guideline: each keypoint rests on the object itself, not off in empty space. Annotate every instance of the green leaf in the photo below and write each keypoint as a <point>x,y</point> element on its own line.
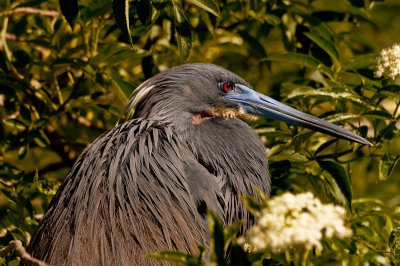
<point>323,30</point>
<point>41,139</point>
<point>208,5</point>
<point>180,257</point>
<point>144,13</point>
<point>15,123</point>
<point>123,56</point>
<point>357,3</point>
<point>252,205</point>
<point>113,110</point>
<point>22,151</point>
<point>69,9</point>
<point>90,10</point>
<point>217,242</point>
<point>256,49</point>
<point>263,196</point>
<point>289,155</point>
<point>160,4</point>
<point>230,233</point>
<point>18,234</point>
<point>324,44</point>
<point>359,38</point>
<point>44,187</point>
<point>121,14</point>
<point>122,89</point>
<point>386,165</point>
<point>300,59</point>
<point>239,256</point>
<point>106,52</point>
<point>394,241</point>
<point>331,92</point>
<point>341,117</point>
<point>333,188</point>
<point>25,113</point>
<point>205,17</point>
<point>41,122</point>
<point>391,88</point>
<point>324,146</point>
<point>272,19</point>
<point>339,174</point>
<point>360,61</point>
<point>379,114</point>
<point>183,32</point>
<point>62,62</point>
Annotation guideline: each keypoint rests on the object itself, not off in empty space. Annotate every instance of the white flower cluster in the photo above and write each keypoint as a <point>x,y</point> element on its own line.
<point>296,220</point>
<point>388,63</point>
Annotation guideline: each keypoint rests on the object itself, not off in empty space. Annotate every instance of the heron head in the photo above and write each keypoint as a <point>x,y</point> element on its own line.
<point>200,92</point>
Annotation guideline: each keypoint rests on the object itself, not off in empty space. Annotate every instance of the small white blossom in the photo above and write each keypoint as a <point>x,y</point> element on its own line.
<point>296,220</point>
<point>388,63</point>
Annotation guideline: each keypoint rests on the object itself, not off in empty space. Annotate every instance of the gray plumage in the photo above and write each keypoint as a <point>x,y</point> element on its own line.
<point>145,185</point>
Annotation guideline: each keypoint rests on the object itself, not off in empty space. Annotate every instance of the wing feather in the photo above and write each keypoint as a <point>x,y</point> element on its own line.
<point>134,191</point>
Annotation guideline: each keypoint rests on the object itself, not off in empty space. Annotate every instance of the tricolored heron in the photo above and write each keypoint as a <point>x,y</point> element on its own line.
<point>145,185</point>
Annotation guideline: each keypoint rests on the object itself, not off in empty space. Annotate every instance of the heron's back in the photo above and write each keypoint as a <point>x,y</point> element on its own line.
<point>126,196</point>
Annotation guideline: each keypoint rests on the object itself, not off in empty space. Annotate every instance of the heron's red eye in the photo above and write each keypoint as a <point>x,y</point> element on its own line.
<point>227,86</point>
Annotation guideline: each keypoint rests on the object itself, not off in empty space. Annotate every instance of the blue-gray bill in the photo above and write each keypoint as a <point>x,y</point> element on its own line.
<point>259,104</point>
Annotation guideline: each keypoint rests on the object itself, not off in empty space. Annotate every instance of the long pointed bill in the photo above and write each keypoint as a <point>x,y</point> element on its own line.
<point>259,104</point>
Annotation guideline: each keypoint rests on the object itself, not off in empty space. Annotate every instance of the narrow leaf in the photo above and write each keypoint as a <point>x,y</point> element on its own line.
<point>272,19</point>
<point>106,52</point>
<point>289,155</point>
<point>217,239</point>
<point>126,87</point>
<point>394,241</point>
<point>145,13</point>
<point>300,59</point>
<point>205,17</point>
<point>119,90</point>
<point>339,117</point>
<point>230,233</point>
<point>183,32</point>
<point>379,114</point>
<point>252,204</point>
<point>357,3</point>
<point>173,256</point>
<point>391,88</point>
<point>207,5</point>
<point>339,174</point>
<point>295,58</point>
<point>121,14</point>
<point>15,123</point>
<point>331,92</point>
<point>22,151</point>
<point>41,139</point>
<point>334,189</point>
<point>263,196</point>
<point>324,44</point>
<point>360,61</point>
<point>324,146</point>
<point>238,256</point>
<point>69,9</point>
<point>386,165</point>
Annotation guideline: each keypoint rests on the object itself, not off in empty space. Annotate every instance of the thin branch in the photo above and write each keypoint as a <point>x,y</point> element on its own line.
<point>16,246</point>
<point>29,11</point>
